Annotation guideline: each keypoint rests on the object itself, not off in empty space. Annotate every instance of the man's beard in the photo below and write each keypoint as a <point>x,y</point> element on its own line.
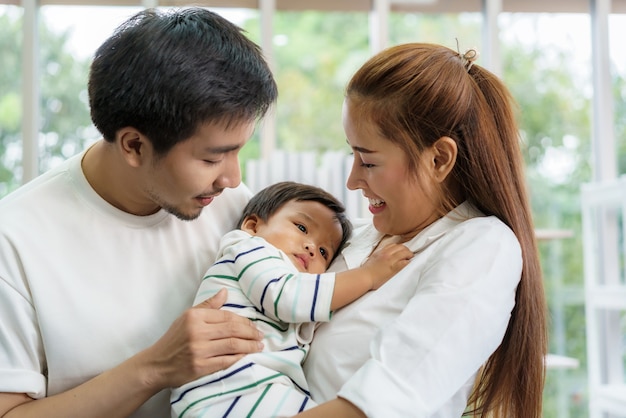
<point>182,216</point>
<point>171,209</point>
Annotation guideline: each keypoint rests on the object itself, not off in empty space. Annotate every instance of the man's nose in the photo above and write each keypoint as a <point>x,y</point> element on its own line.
<point>231,175</point>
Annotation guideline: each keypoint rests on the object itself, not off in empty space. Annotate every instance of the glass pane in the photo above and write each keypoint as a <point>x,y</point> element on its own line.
<point>10,98</point>
<point>617,33</point>
<point>546,64</point>
<point>444,29</point>
<point>69,37</point>
<point>315,54</point>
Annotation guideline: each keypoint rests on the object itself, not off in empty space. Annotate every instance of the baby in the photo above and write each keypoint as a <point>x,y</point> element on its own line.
<point>273,267</point>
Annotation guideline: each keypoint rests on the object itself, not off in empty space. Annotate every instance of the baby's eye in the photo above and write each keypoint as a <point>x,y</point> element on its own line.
<point>301,227</point>
<point>324,253</point>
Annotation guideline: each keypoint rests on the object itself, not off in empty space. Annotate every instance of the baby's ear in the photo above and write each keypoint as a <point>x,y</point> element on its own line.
<point>250,224</point>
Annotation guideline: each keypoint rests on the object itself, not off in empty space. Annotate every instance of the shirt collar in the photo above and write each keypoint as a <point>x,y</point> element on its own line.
<point>364,241</point>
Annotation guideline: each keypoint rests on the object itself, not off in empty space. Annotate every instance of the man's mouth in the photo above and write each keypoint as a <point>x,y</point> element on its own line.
<point>206,200</point>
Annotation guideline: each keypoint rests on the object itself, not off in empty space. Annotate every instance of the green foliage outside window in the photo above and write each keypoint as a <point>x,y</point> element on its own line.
<point>65,122</point>
<point>315,54</point>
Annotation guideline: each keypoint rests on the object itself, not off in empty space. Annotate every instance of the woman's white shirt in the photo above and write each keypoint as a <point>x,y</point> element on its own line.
<point>414,346</point>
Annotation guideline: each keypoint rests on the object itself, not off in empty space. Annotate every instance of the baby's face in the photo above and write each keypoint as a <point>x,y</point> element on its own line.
<point>306,231</point>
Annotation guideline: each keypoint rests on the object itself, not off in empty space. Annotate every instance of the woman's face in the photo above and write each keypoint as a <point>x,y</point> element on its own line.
<point>399,202</point>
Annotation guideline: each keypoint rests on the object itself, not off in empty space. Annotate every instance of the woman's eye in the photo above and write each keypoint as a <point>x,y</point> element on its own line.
<point>366,164</point>
<point>301,227</point>
<point>361,162</point>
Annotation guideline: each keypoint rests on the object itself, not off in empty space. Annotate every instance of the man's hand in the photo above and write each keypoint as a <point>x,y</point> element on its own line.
<point>201,341</point>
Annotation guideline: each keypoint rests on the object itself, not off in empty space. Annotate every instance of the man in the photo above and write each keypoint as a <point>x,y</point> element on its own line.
<point>100,258</point>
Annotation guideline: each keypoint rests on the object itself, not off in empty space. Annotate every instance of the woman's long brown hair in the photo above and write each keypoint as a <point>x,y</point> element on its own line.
<point>418,93</point>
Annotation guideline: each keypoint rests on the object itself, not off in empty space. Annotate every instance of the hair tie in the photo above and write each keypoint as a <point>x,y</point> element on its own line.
<point>467,58</point>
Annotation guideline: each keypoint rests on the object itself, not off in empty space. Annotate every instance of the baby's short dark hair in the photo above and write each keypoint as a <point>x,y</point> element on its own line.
<point>268,201</point>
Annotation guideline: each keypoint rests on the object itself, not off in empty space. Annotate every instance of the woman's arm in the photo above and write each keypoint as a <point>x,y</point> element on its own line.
<point>201,341</point>
<point>336,408</point>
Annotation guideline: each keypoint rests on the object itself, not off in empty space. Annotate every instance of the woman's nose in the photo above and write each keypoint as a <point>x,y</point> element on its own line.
<point>351,182</point>
<point>353,178</point>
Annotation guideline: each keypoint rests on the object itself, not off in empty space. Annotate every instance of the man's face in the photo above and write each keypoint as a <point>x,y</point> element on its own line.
<point>197,170</point>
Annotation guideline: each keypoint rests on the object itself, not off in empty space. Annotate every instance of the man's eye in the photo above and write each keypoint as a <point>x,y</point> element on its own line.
<point>301,227</point>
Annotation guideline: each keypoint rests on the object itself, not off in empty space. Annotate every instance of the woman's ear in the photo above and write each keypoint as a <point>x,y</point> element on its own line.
<point>444,157</point>
<point>250,224</point>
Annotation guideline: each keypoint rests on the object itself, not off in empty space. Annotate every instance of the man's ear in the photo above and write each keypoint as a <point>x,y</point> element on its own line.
<point>250,224</point>
<point>134,146</point>
<point>444,157</point>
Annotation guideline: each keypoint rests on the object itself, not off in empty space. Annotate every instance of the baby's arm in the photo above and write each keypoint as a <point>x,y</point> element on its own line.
<point>380,267</point>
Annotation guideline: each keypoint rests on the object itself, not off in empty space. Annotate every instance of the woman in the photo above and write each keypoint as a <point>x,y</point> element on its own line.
<point>461,329</point>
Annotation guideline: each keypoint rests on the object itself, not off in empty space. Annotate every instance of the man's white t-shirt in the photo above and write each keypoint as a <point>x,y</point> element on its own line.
<point>84,285</point>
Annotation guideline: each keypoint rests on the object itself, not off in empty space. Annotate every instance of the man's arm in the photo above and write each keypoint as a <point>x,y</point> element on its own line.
<point>201,341</point>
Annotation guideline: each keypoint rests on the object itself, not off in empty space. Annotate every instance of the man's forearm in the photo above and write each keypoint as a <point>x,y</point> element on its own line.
<point>115,393</point>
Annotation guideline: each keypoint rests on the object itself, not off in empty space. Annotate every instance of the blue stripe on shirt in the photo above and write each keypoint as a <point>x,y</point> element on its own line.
<point>314,301</point>
<point>239,255</point>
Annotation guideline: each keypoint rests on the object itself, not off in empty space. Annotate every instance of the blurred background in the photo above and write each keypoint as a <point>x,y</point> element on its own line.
<point>564,61</point>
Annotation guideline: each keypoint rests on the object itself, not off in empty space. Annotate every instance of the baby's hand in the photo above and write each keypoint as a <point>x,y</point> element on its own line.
<point>386,262</point>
